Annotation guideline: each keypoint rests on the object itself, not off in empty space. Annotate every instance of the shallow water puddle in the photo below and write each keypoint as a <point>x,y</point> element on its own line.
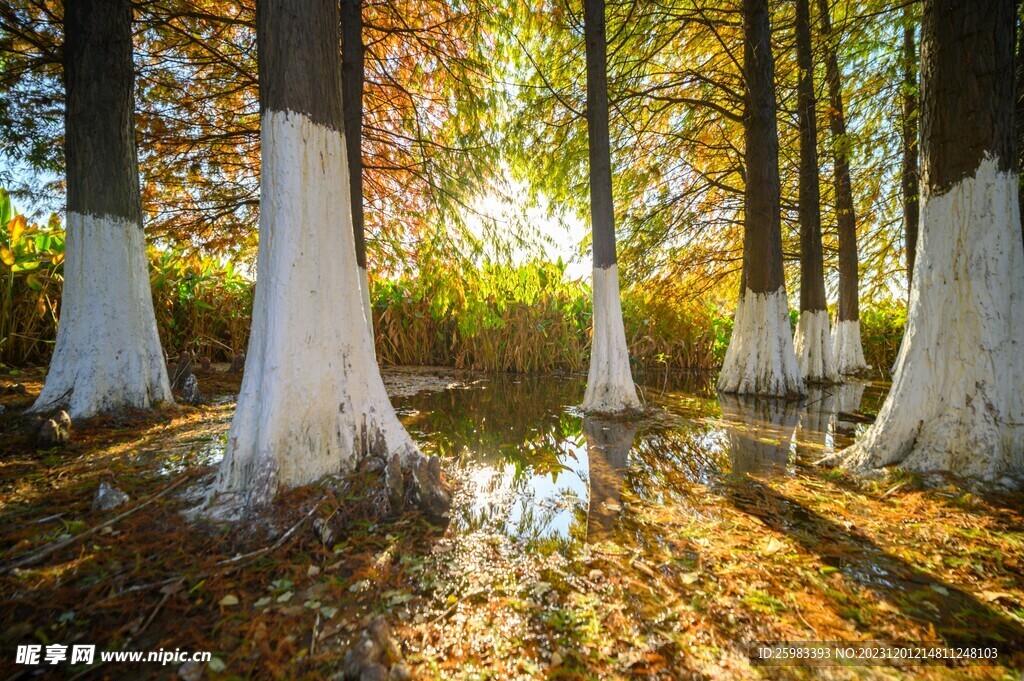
<point>532,467</point>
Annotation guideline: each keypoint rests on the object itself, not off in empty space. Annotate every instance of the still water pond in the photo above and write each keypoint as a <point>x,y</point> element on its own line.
<point>533,468</point>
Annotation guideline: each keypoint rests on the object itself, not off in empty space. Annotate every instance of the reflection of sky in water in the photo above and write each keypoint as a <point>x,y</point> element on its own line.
<point>529,506</point>
<point>526,472</point>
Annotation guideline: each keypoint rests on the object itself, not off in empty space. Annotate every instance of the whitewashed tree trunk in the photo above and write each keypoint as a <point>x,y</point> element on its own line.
<point>760,359</point>
<point>957,399</point>
<point>813,346</point>
<point>847,348</point>
<point>610,386</point>
<point>312,401</point>
<point>364,294</point>
<point>107,353</point>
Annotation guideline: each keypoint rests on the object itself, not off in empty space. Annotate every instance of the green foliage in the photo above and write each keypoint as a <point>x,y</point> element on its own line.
<point>202,304</point>
<point>31,267</point>
<point>881,330</point>
<point>527,318</point>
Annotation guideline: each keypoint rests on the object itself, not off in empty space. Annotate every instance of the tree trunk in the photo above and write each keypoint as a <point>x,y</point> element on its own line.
<point>813,338</point>
<point>1019,107</point>
<point>108,352</point>
<point>312,401</point>
<point>353,77</point>
<point>846,344</point>
<point>909,179</point>
<point>956,402</point>
<point>609,384</point>
<point>760,358</point>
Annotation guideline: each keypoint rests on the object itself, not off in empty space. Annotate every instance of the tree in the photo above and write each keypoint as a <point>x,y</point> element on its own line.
<point>312,401</point>
<point>956,402</point>
<point>353,76</point>
<point>609,384</point>
<point>846,344</point>
<point>760,358</point>
<point>108,352</point>
<point>909,181</point>
<point>813,337</point>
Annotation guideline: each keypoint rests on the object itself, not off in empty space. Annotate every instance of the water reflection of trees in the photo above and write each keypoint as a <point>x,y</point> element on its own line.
<point>608,445</point>
<point>760,431</point>
<point>535,471</point>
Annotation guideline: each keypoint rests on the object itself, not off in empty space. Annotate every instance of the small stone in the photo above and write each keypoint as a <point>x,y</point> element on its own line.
<point>191,671</point>
<point>190,390</point>
<point>380,631</point>
<point>54,432</point>
<point>323,531</point>
<point>228,600</point>
<point>400,672</point>
<point>556,659</point>
<point>313,571</point>
<point>364,653</point>
<point>108,498</point>
<point>374,672</point>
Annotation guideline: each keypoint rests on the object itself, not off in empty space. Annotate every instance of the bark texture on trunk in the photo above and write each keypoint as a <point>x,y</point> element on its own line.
<point>609,383</point>
<point>107,353</point>
<point>760,358</point>
<point>956,403</point>
<point>353,79</point>
<point>312,401</point>
<point>1019,105</point>
<point>909,179</point>
<point>813,343</point>
<point>846,343</point>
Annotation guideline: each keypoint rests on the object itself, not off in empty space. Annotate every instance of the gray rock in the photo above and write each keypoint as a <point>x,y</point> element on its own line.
<point>108,498</point>
<point>380,631</point>
<point>374,672</point>
<point>190,390</point>
<point>191,671</point>
<point>400,672</point>
<point>54,432</point>
<point>360,656</point>
<point>323,532</point>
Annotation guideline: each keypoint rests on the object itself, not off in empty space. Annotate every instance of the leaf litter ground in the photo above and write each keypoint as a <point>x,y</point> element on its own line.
<point>577,549</point>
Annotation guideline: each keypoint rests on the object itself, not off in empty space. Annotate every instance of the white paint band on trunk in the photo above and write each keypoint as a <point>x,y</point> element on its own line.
<point>847,348</point>
<point>957,399</point>
<point>364,290</point>
<point>312,400</point>
<point>107,353</point>
<point>813,346</point>
<point>610,386</point>
<point>760,359</point>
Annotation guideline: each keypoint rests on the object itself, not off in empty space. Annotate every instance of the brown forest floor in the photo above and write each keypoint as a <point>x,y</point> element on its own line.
<point>816,555</point>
